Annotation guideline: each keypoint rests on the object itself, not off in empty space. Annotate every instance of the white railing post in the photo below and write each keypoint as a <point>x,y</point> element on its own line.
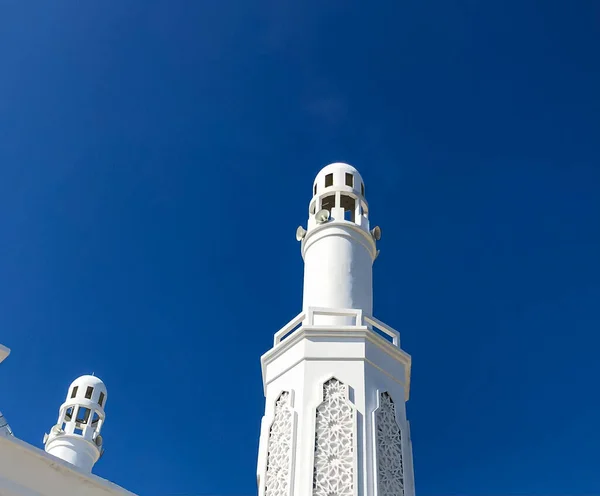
<point>387,330</point>
<point>288,328</point>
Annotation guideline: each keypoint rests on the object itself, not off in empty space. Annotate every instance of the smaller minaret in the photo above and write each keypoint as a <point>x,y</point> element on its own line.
<point>76,436</point>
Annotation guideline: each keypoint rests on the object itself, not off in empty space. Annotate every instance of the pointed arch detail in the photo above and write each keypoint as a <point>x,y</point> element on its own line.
<point>335,442</point>
<point>278,475</point>
<point>388,442</point>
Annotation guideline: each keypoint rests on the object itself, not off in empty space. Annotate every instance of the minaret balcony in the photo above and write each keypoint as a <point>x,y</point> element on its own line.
<point>368,340</point>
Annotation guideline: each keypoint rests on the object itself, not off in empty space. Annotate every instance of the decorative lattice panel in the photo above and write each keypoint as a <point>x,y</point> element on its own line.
<point>390,471</point>
<point>279,450</point>
<point>334,443</point>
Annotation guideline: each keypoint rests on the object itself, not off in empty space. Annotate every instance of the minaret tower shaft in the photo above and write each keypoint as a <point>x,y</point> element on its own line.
<point>336,379</point>
<point>338,252</point>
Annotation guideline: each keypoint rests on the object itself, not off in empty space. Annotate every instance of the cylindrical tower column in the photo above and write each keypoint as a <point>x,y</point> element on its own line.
<point>338,247</point>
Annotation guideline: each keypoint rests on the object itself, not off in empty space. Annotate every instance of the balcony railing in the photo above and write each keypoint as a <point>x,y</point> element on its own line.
<point>307,319</point>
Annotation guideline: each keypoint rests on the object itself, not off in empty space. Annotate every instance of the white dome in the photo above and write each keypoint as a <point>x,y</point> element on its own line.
<point>335,175</point>
<point>87,387</point>
<point>88,380</point>
<point>338,166</point>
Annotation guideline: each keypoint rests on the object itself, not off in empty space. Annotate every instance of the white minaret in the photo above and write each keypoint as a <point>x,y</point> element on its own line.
<point>76,436</point>
<point>336,379</point>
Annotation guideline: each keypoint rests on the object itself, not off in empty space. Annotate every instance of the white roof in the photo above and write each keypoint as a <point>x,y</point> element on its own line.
<point>25,469</point>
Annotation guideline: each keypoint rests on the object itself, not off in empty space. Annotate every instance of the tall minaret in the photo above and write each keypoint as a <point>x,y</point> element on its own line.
<point>76,436</point>
<point>336,380</point>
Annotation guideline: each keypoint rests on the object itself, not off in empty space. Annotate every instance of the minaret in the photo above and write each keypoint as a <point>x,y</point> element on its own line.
<point>336,379</point>
<point>76,436</point>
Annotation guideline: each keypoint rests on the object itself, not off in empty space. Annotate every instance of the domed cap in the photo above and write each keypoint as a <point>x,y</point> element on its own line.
<point>339,176</point>
<point>87,387</point>
<point>88,380</point>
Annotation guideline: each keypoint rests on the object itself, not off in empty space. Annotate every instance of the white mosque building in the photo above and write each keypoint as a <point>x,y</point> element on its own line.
<point>335,382</point>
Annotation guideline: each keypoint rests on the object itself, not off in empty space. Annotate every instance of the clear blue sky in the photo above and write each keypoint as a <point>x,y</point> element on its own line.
<point>156,158</point>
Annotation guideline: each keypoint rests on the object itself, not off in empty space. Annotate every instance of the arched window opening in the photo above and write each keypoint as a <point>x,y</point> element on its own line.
<point>69,414</point>
<point>349,180</point>
<point>328,202</point>
<point>348,203</point>
<point>83,415</point>
<point>95,420</point>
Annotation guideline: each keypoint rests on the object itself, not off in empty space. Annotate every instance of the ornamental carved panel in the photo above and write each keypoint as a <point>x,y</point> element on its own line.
<point>334,443</point>
<point>279,448</point>
<point>388,438</point>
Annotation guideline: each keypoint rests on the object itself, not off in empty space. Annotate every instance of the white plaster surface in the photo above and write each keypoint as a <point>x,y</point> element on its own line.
<point>29,471</point>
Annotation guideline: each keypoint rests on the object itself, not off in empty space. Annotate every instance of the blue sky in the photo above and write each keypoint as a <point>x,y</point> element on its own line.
<point>156,158</point>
